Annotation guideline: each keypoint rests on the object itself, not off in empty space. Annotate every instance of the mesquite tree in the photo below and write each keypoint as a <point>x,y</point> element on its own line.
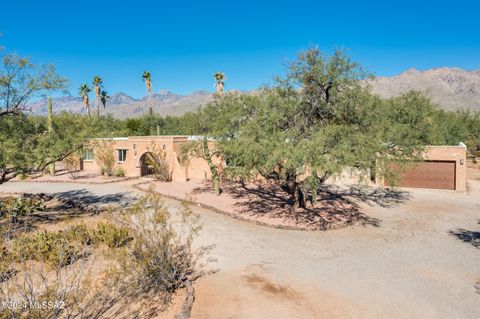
<point>317,121</point>
<point>21,81</point>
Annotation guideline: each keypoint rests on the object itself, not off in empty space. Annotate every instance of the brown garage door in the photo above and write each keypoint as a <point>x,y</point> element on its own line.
<point>429,174</point>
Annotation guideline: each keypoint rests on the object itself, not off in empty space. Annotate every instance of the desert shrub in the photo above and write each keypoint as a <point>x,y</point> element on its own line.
<point>72,164</point>
<point>26,205</point>
<point>21,206</point>
<point>120,172</point>
<point>3,209</point>
<point>111,235</point>
<point>163,258</point>
<point>162,171</point>
<point>53,248</point>
<point>65,247</point>
<point>156,159</point>
<point>5,262</point>
<point>105,157</point>
<point>71,292</point>
<point>159,261</point>
<point>80,233</point>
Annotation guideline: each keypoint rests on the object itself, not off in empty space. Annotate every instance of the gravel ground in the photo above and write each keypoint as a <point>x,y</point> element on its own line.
<point>422,260</point>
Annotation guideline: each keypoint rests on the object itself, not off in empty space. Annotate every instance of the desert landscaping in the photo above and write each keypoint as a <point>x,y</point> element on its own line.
<point>394,267</point>
<point>261,160</point>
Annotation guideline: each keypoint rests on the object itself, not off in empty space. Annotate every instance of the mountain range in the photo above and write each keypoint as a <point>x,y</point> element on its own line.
<point>121,105</point>
<point>450,88</point>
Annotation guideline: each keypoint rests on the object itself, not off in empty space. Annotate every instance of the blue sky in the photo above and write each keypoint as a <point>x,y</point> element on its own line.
<point>183,43</point>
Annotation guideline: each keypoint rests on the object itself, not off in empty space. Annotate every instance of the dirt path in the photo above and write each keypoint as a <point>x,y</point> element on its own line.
<point>411,266</point>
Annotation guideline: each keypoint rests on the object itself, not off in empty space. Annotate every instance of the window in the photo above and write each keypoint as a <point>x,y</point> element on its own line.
<point>122,155</point>
<point>88,154</point>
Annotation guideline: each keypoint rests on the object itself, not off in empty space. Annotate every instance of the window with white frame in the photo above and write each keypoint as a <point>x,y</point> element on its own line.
<point>88,154</point>
<point>122,155</point>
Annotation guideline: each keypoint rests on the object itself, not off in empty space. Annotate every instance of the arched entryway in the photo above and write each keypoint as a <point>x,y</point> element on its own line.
<point>148,162</point>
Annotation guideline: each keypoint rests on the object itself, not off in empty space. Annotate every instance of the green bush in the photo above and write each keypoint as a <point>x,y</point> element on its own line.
<point>81,234</point>
<point>23,206</point>
<point>111,235</point>
<point>120,172</point>
<point>60,248</point>
<point>53,248</point>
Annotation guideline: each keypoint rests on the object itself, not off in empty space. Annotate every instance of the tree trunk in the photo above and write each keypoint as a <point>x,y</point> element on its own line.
<point>51,166</point>
<point>302,198</point>
<point>98,106</point>
<point>213,169</point>
<point>299,198</point>
<point>314,191</point>
<point>150,108</point>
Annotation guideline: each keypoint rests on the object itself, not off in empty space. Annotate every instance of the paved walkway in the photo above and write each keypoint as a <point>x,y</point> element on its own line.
<point>414,265</point>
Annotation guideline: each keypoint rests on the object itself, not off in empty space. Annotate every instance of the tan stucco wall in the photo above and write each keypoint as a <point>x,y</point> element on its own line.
<point>452,153</point>
<point>136,146</point>
<point>447,153</point>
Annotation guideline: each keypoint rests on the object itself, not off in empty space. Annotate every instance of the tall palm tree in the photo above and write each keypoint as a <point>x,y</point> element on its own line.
<point>104,97</point>
<point>83,92</point>
<point>97,85</point>
<point>148,83</point>
<point>220,78</point>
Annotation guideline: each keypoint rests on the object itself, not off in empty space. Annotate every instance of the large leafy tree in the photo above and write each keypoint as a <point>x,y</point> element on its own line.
<point>20,81</point>
<point>316,122</point>
<point>28,146</point>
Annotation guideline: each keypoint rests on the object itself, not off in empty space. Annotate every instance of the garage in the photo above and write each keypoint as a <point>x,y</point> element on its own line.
<point>429,174</point>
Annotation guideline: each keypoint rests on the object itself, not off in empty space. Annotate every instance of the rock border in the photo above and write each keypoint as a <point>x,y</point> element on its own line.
<point>76,182</point>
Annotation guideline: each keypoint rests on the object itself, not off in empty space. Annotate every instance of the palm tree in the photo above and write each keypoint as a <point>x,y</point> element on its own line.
<point>104,97</point>
<point>148,83</point>
<point>84,90</point>
<point>220,78</point>
<point>97,84</point>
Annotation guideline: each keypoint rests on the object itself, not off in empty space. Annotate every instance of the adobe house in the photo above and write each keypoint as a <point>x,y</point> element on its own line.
<point>444,167</point>
<point>131,153</point>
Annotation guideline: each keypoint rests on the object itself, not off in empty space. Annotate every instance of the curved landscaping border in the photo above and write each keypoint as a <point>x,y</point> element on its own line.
<point>245,219</point>
<point>75,181</point>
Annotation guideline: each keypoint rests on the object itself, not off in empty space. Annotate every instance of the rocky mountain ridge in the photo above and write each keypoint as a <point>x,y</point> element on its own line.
<point>450,88</point>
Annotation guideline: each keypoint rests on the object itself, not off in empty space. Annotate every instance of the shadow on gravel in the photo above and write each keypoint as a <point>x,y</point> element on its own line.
<point>383,197</point>
<point>87,198</point>
<point>332,210</point>
<point>467,236</point>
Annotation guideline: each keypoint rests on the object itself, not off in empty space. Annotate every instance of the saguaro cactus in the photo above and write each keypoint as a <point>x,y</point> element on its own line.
<point>51,166</point>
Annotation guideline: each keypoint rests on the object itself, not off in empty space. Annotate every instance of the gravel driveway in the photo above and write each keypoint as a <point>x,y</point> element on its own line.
<point>422,261</point>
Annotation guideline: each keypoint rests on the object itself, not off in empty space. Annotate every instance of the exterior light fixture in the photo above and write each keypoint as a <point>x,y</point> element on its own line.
<point>462,162</point>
